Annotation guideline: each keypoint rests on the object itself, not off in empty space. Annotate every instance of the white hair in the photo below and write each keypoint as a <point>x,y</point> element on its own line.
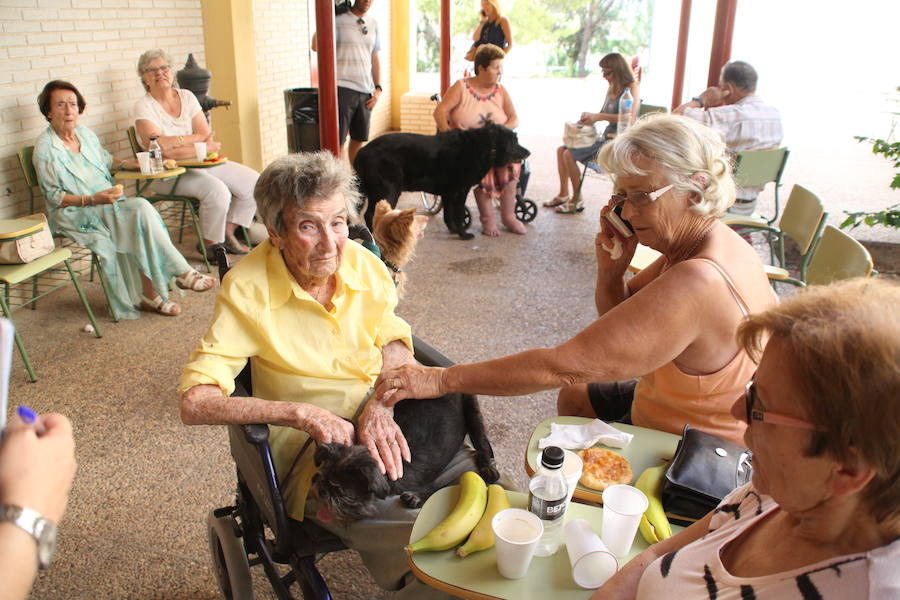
<point>145,59</point>
<point>682,148</point>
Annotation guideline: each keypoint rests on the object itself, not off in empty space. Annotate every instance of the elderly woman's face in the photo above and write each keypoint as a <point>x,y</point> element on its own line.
<point>63,110</point>
<point>655,221</point>
<point>312,244</point>
<point>780,467</point>
<point>158,74</point>
<point>491,73</point>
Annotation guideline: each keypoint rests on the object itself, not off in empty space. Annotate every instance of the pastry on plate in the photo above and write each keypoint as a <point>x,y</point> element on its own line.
<point>603,468</point>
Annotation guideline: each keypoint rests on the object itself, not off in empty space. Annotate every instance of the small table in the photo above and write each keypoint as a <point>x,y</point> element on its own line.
<point>476,577</point>
<point>648,449</point>
<point>144,181</point>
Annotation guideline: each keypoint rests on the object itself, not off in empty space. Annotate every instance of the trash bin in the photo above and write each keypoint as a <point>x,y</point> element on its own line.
<point>301,109</point>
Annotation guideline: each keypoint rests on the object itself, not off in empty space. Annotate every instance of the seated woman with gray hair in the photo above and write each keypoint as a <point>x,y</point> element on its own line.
<point>314,316</point>
<point>663,344</point>
<point>174,117</point>
<point>821,517</point>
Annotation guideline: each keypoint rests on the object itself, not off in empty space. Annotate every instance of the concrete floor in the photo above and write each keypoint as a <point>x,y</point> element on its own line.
<point>136,521</point>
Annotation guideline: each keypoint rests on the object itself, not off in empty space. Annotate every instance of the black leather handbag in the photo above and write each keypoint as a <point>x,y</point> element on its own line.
<point>704,470</point>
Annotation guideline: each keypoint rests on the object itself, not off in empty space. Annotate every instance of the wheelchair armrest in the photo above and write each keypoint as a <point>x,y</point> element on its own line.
<point>428,356</point>
<point>256,434</point>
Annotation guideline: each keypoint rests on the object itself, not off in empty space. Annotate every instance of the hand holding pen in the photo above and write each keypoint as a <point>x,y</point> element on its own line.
<point>37,462</point>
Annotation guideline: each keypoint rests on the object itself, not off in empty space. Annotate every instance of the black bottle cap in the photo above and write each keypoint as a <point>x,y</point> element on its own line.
<point>552,457</point>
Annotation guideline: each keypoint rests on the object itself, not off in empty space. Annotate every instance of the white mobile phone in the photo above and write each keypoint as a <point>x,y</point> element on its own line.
<point>7,334</point>
<point>621,225</point>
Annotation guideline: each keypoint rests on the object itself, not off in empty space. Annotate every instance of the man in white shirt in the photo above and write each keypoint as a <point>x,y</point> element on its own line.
<point>357,44</point>
<point>743,119</point>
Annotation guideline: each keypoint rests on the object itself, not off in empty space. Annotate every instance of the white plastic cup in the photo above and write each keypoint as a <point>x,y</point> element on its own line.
<point>572,467</point>
<point>200,150</point>
<point>592,562</point>
<point>144,163</point>
<point>516,534</point>
<point>623,506</point>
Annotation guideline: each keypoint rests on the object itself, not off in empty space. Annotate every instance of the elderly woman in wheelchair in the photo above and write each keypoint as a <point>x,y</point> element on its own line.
<point>314,316</point>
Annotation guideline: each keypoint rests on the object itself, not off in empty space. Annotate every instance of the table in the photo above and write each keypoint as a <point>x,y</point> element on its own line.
<point>548,577</point>
<point>649,448</point>
<point>144,181</point>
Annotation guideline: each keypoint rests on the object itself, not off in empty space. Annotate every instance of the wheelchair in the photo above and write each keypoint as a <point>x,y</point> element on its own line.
<point>256,529</point>
<point>526,210</point>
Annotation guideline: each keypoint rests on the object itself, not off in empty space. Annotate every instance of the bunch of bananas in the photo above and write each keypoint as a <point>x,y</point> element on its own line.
<point>654,526</point>
<point>471,517</point>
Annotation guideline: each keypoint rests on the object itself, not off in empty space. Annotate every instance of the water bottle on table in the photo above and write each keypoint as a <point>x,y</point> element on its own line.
<point>547,494</point>
<point>156,157</point>
<point>625,104</point>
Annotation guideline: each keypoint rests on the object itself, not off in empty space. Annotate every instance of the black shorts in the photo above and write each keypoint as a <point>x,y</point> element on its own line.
<point>611,400</point>
<point>353,115</point>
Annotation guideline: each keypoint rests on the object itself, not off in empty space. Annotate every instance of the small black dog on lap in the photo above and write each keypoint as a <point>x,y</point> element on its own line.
<point>349,483</point>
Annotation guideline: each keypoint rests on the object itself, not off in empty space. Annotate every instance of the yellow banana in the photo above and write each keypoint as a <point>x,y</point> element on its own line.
<point>482,537</point>
<point>461,520</point>
<point>654,525</point>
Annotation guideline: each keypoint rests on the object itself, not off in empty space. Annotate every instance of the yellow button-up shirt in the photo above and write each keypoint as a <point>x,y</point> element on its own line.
<point>298,350</point>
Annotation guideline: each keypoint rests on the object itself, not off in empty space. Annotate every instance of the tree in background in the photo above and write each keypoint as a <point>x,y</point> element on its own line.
<point>575,29</point>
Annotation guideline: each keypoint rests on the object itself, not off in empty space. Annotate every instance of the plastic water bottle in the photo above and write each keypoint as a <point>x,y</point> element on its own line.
<point>625,104</point>
<point>547,492</point>
<point>156,157</point>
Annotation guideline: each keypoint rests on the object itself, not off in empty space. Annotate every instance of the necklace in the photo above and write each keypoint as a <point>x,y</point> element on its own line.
<point>696,244</point>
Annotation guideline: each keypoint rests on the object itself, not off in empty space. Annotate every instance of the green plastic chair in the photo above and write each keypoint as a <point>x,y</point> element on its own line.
<point>26,163</point>
<point>187,204</point>
<point>838,256</point>
<point>756,168</point>
<point>803,220</point>
<point>646,109</point>
<point>45,274</point>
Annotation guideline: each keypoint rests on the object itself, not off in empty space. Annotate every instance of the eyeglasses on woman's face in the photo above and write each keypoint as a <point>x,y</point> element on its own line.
<point>159,69</point>
<point>606,72</point>
<point>641,199</point>
<point>751,399</point>
<point>362,26</point>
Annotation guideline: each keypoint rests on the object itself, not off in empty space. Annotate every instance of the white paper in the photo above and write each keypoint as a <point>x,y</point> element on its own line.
<point>578,437</point>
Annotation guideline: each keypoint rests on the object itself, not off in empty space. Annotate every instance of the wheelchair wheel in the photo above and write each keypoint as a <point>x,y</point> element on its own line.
<point>229,558</point>
<point>467,218</point>
<point>431,204</point>
<point>526,210</point>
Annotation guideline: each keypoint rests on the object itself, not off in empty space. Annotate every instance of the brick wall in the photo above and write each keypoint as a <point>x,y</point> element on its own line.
<point>282,53</point>
<point>94,44</point>
<point>416,113</point>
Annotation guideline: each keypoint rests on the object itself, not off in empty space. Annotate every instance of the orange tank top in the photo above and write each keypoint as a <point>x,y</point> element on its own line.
<point>668,398</point>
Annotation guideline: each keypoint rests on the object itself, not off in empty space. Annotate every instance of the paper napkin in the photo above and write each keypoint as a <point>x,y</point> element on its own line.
<point>578,437</point>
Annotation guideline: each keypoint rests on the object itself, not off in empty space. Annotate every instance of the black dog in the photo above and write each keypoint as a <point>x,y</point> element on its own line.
<point>348,481</point>
<point>447,164</point>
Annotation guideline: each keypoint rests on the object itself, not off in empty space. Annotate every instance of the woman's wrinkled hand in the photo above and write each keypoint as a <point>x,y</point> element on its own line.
<point>609,237</point>
<point>211,144</point>
<point>586,118</point>
<point>37,471</point>
<point>107,196</point>
<point>323,426</point>
<point>378,432</point>
<point>409,381</point>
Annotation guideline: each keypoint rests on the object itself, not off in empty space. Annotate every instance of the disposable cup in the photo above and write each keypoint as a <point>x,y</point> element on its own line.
<point>144,163</point>
<point>572,466</point>
<point>516,534</point>
<point>592,562</point>
<point>623,506</point>
<point>200,149</point>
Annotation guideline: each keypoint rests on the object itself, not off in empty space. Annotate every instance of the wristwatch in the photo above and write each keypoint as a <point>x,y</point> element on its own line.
<point>40,528</point>
<point>698,100</point>
<point>378,87</point>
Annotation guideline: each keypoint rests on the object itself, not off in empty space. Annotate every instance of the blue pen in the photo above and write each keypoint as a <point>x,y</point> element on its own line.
<point>30,418</point>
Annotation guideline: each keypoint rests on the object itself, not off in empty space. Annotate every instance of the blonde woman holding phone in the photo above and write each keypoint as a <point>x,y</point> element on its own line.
<point>492,29</point>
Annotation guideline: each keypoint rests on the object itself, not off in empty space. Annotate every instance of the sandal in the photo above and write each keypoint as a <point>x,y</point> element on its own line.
<point>570,207</point>
<point>158,305</point>
<point>557,201</point>
<point>195,281</point>
<point>233,246</point>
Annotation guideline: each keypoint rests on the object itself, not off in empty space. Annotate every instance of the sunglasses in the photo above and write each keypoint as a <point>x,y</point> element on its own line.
<point>641,199</point>
<point>362,26</point>
<point>606,73</point>
<point>155,70</point>
<point>758,414</point>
